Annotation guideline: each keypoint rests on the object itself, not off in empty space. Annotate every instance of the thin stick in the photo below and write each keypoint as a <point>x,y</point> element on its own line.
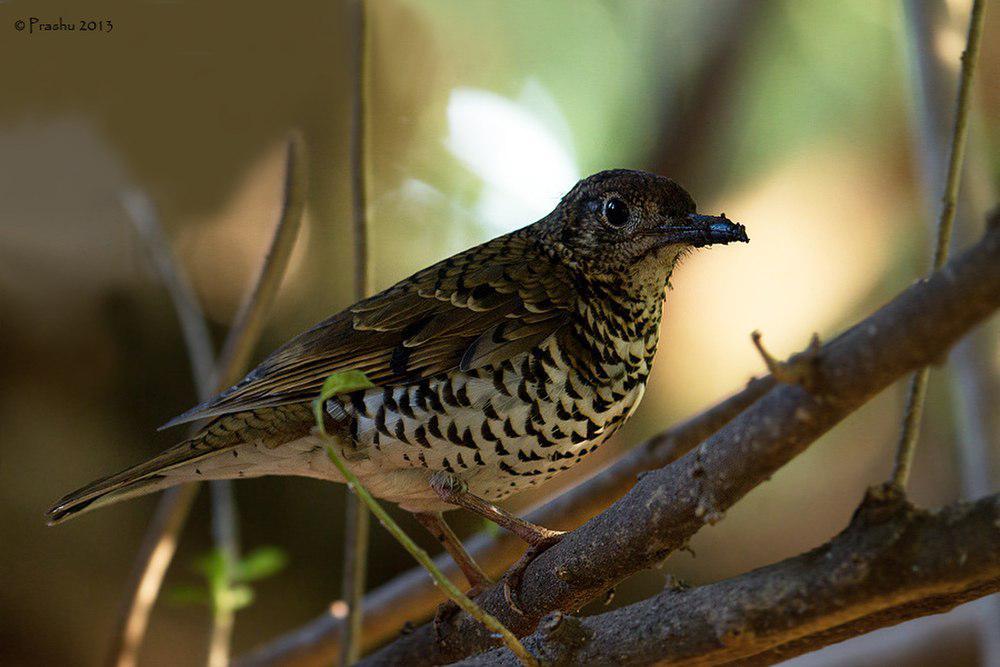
<point>975,388</point>
<point>243,336</point>
<point>148,570</point>
<point>249,321</point>
<point>363,267</point>
<point>225,537</point>
<point>451,590</point>
<point>357,521</point>
<point>160,542</point>
<point>918,384</point>
<point>194,328</point>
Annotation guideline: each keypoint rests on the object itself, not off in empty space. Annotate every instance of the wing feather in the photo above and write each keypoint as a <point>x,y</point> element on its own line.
<point>480,307</point>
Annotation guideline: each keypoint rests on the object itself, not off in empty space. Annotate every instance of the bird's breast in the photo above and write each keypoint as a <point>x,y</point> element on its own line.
<point>500,428</point>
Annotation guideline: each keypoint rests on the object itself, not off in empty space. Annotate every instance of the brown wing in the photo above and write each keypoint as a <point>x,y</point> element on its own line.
<point>479,307</point>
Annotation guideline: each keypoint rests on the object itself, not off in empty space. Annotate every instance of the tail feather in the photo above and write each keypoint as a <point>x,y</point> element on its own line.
<point>138,480</point>
<point>177,464</point>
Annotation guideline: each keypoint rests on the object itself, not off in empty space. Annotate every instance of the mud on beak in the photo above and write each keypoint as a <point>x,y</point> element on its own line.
<point>703,230</point>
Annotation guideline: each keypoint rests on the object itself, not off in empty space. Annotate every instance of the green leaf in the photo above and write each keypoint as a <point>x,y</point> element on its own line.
<point>213,566</point>
<point>189,595</point>
<point>260,563</point>
<point>235,598</point>
<point>338,383</point>
<point>226,588</point>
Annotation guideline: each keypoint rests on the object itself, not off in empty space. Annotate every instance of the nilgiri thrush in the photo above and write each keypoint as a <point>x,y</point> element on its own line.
<point>494,370</point>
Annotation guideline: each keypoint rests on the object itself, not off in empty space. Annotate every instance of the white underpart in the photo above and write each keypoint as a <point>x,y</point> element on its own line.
<point>307,457</point>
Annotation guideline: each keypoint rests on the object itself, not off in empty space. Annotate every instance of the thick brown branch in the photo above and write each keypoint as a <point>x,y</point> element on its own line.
<point>892,563</point>
<point>669,505</point>
<point>413,594</point>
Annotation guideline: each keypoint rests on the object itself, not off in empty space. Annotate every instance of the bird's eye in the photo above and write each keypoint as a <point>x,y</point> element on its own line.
<point>615,212</point>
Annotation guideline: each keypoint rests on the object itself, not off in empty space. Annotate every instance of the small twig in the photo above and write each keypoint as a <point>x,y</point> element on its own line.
<point>910,429</point>
<point>194,328</point>
<point>242,338</point>
<point>356,518</point>
<point>975,386</point>
<point>148,569</point>
<point>225,536</point>
<point>249,321</point>
<point>363,267</point>
<point>421,556</point>
<point>160,541</point>
<point>800,369</point>
<point>235,356</point>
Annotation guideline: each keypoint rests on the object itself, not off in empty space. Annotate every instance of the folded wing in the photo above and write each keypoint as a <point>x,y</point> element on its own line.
<point>480,307</point>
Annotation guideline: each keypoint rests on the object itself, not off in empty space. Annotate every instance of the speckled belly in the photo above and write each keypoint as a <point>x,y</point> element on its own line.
<point>500,429</point>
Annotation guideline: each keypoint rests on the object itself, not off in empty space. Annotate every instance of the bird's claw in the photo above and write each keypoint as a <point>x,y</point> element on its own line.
<point>512,582</point>
<point>446,610</point>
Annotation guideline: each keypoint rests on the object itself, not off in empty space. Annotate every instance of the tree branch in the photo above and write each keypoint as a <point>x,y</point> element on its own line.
<point>669,505</point>
<point>160,541</point>
<point>892,563</point>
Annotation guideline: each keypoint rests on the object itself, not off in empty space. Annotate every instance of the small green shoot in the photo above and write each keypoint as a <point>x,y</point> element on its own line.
<point>226,587</point>
<point>338,383</point>
<point>352,380</point>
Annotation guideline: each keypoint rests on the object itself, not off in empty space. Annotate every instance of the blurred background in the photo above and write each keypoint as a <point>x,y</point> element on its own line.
<point>811,122</point>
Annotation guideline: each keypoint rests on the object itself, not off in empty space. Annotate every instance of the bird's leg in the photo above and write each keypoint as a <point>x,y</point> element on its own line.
<point>442,532</point>
<point>512,582</point>
<point>531,533</point>
<point>539,538</point>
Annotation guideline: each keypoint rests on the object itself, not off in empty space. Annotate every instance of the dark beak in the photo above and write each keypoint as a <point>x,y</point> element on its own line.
<point>703,230</point>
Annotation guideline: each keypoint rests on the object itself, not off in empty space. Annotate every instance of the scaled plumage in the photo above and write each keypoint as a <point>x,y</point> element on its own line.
<point>495,369</point>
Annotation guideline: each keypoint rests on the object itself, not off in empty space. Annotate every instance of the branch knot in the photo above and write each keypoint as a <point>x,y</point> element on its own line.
<point>801,368</point>
<point>565,629</point>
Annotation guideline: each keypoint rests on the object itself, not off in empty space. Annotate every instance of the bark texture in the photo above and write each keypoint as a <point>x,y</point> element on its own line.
<point>892,563</point>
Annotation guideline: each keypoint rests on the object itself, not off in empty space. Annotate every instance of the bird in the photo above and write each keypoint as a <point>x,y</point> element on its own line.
<point>492,371</point>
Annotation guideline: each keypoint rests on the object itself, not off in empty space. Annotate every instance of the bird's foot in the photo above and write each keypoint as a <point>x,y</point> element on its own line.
<point>512,582</point>
<point>447,610</point>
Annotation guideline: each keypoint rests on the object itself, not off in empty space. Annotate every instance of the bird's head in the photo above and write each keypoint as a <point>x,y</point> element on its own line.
<point>632,225</point>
